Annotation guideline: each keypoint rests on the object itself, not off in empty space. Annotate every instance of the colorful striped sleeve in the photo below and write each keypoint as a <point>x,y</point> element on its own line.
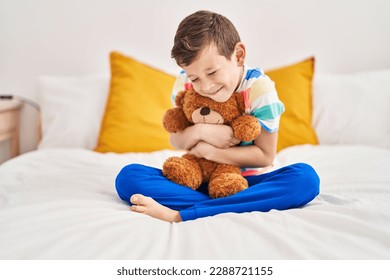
<point>182,82</point>
<point>265,104</point>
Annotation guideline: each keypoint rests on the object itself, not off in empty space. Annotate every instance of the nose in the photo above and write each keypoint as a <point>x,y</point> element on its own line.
<point>205,111</point>
<point>207,86</point>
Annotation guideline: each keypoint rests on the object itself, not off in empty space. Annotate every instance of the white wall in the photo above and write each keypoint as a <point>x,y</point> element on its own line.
<point>74,37</point>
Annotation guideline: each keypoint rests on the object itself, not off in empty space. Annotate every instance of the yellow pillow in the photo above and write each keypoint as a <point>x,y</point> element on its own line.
<point>294,86</point>
<point>139,96</point>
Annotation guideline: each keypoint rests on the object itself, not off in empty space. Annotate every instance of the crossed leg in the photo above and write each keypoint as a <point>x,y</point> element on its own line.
<point>150,193</point>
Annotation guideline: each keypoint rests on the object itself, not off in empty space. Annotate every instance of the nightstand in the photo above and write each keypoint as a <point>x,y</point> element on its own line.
<point>9,124</point>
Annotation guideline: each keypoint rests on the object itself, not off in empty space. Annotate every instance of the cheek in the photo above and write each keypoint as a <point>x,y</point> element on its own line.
<point>196,87</point>
<point>226,80</point>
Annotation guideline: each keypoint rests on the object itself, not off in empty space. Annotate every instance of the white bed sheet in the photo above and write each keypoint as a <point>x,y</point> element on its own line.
<point>62,204</point>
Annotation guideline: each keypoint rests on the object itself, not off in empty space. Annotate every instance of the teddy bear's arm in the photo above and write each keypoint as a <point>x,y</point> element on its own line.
<point>246,128</point>
<point>174,120</point>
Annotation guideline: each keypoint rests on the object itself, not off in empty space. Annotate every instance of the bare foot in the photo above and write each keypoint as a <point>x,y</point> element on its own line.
<point>147,205</point>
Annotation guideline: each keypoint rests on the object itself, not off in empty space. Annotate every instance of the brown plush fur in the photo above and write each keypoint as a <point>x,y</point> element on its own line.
<point>188,170</point>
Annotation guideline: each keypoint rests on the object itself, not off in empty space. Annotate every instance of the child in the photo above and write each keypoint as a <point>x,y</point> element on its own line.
<point>209,50</point>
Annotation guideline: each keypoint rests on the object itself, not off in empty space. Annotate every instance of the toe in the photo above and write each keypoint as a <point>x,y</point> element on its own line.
<point>138,209</point>
<point>137,199</point>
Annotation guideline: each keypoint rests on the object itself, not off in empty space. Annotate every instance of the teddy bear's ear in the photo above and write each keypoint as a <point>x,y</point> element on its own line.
<point>240,101</point>
<point>179,98</point>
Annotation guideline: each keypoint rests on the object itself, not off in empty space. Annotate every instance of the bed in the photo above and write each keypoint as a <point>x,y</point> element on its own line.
<point>59,201</point>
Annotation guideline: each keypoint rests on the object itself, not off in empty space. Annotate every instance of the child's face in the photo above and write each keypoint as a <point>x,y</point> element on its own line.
<point>213,75</point>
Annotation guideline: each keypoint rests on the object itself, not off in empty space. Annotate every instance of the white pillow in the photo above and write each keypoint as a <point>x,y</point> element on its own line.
<point>352,108</point>
<point>72,109</point>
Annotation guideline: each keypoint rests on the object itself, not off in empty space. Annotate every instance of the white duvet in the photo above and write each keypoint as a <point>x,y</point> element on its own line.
<point>62,204</point>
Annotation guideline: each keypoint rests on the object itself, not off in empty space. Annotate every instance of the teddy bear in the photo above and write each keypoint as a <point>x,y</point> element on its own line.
<point>188,170</point>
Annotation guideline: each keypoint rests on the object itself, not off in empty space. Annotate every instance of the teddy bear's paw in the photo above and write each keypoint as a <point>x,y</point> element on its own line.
<point>246,128</point>
<point>227,184</point>
<point>183,172</point>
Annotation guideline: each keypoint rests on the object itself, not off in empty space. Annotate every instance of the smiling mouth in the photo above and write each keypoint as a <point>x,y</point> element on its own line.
<point>215,92</point>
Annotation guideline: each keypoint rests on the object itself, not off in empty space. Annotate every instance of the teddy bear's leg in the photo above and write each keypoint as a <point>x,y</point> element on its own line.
<point>226,180</point>
<point>183,171</point>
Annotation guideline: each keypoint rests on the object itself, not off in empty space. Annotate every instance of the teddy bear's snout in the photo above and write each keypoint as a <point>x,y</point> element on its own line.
<point>204,111</point>
<point>206,115</point>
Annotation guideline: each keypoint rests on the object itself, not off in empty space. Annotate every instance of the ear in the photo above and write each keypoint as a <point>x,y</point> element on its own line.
<point>174,120</point>
<point>179,99</point>
<point>239,53</point>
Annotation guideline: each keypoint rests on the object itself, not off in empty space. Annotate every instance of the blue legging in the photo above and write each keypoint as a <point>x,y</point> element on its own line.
<point>288,187</point>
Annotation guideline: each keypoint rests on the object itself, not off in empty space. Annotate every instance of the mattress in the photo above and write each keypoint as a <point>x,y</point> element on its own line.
<point>61,203</point>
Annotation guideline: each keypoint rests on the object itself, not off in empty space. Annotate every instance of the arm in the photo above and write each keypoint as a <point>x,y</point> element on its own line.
<point>220,136</point>
<point>261,154</point>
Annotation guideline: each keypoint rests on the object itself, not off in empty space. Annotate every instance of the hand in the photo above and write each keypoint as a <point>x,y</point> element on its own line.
<point>220,136</point>
<point>202,150</point>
